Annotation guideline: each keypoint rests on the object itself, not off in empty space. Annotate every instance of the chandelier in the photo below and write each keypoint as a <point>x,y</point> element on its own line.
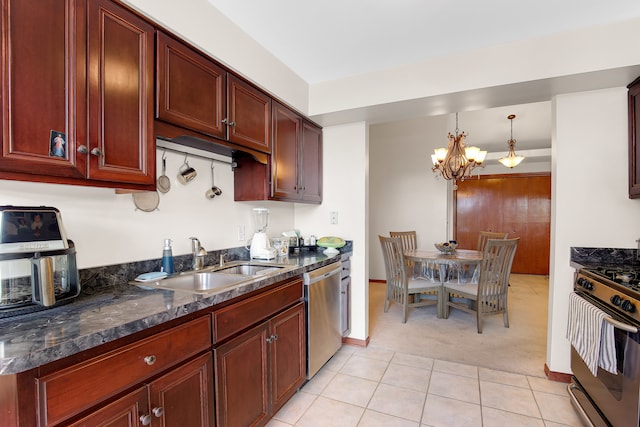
<point>457,161</point>
<point>511,160</point>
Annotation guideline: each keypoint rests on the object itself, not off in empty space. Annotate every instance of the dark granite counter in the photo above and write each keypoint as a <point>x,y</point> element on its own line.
<point>109,308</point>
<point>604,257</point>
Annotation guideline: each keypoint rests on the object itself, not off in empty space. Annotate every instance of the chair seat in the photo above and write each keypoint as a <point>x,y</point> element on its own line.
<point>422,285</point>
<point>470,289</point>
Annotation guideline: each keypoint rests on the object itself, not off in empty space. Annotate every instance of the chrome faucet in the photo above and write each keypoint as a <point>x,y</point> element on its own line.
<point>222,256</point>
<point>198,254</point>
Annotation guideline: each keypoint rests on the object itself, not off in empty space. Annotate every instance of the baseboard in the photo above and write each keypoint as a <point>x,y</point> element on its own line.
<point>557,376</point>
<point>377,281</point>
<point>356,342</point>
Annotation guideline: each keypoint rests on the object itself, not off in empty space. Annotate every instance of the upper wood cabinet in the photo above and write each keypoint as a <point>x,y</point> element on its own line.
<point>197,94</point>
<point>634,139</point>
<point>77,96</point>
<point>296,162</point>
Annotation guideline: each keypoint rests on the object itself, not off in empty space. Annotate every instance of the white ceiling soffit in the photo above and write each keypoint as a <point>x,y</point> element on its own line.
<point>332,39</point>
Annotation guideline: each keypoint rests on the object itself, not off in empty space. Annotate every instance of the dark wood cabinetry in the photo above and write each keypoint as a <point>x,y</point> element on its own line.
<point>634,139</point>
<point>258,371</point>
<point>296,162</point>
<point>197,94</point>
<point>260,355</point>
<point>87,79</point>
<point>294,172</point>
<point>183,385</point>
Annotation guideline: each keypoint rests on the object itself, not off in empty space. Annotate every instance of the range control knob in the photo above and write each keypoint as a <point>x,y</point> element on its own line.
<point>616,300</point>
<point>585,283</point>
<point>628,306</point>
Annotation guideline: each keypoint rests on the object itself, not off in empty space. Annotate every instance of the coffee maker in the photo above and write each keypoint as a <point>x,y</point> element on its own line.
<point>261,247</point>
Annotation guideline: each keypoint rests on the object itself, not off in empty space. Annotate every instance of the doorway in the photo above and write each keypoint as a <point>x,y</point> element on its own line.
<point>519,204</point>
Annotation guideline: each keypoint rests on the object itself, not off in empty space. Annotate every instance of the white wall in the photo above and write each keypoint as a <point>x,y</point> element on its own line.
<point>201,24</point>
<point>346,191</point>
<point>590,205</point>
<point>107,229</point>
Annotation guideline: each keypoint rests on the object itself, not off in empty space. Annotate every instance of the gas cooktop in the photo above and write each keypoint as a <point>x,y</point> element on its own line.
<point>627,276</point>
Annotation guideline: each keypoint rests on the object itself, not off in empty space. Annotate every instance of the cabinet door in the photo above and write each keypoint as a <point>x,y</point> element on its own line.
<point>249,116</point>
<point>311,163</point>
<point>128,411</point>
<point>288,355</point>
<point>284,159</point>
<point>634,139</point>
<point>120,77</point>
<point>184,396</point>
<point>241,379</point>
<point>42,86</point>
<point>190,87</point>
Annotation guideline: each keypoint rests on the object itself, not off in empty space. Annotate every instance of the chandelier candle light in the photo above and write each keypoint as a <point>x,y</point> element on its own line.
<point>457,161</point>
<point>511,160</point>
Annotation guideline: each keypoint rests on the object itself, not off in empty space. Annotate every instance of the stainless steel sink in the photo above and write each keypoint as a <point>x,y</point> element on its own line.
<point>215,278</point>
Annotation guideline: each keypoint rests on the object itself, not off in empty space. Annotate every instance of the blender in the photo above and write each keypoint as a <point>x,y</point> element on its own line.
<point>260,243</point>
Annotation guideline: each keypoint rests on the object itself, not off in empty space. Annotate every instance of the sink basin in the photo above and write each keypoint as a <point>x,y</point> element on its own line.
<point>214,278</point>
<point>200,283</point>
<point>248,269</point>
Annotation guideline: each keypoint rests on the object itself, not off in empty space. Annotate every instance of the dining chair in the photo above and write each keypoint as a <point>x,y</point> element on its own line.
<point>489,295</point>
<point>401,287</point>
<point>409,241</point>
<point>483,236</point>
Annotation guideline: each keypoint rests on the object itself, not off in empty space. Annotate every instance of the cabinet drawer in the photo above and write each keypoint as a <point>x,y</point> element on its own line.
<point>74,389</point>
<point>234,318</point>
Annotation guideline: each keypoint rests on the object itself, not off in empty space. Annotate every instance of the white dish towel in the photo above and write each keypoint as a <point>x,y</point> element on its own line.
<point>591,336</point>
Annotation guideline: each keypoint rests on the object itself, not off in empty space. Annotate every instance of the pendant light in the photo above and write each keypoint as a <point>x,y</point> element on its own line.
<point>511,160</point>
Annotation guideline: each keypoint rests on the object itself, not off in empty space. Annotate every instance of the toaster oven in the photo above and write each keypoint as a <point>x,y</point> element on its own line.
<point>37,262</point>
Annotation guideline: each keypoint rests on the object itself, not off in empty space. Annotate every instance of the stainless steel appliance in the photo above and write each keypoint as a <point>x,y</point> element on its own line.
<point>324,332</point>
<point>345,295</point>
<point>37,262</point>
<point>608,399</point>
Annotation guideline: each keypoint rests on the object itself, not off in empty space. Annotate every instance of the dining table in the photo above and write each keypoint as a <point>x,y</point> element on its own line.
<point>445,261</point>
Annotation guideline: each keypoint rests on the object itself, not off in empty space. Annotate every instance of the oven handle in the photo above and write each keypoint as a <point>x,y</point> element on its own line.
<point>621,325</point>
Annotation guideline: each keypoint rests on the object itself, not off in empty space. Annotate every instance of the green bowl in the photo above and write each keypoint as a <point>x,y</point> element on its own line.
<point>331,242</point>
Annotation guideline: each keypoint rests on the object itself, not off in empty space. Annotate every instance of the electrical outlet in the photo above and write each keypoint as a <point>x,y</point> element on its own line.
<point>241,233</point>
<point>334,217</point>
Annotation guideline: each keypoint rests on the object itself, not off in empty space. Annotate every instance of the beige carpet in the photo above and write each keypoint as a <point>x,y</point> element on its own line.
<point>520,349</point>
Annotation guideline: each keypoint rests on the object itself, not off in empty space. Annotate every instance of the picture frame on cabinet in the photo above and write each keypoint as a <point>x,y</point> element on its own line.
<point>57,144</point>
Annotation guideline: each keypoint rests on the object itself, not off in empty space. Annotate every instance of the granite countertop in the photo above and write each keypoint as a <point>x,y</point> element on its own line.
<point>32,340</point>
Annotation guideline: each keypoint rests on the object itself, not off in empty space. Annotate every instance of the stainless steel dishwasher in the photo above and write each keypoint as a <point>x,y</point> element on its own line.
<point>322,296</point>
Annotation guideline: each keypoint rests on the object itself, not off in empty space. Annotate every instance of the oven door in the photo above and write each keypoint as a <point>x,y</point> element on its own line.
<point>614,396</point>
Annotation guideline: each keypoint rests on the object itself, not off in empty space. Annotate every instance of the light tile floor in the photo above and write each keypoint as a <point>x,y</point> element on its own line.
<point>372,387</point>
<point>490,379</point>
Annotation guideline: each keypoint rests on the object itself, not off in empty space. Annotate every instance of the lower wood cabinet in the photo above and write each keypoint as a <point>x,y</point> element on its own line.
<point>182,397</point>
<point>259,370</point>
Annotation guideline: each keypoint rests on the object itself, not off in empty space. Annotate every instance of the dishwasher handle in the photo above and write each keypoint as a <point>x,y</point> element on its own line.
<point>322,273</point>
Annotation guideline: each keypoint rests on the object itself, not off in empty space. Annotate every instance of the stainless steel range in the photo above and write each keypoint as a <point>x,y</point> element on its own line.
<point>608,399</point>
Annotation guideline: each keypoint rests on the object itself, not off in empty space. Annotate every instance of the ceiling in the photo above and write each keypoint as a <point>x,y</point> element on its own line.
<point>332,39</point>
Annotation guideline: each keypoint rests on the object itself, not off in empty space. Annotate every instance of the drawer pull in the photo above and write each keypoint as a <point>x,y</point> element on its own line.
<point>272,338</point>
<point>150,360</point>
<point>145,419</point>
<point>158,412</point>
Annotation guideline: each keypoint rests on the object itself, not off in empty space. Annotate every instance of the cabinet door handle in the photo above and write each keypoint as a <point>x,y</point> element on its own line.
<point>158,411</point>
<point>225,121</point>
<point>83,149</point>
<point>232,123</point>
<point>145,419</point>
<point>150,360</point>
<point>96,152</point>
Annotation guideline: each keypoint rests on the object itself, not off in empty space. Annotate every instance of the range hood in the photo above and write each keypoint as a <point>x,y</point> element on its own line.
<point>187,138</point>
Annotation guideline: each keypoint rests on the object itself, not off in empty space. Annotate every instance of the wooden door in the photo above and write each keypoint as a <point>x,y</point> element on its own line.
<point>288,355</point>
<point>311,163</point>
<point>131,410</point>
<point>184,396</point>
<point>284,160</point>
<point>241,375</point>
<point>120,78</point>
<point>42,88</point>
<point>249,121</point>
<point>517,204</point>
<point>190,88</point>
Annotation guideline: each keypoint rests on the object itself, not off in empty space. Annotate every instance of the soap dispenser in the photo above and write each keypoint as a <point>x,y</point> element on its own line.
<point>167,258</point>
